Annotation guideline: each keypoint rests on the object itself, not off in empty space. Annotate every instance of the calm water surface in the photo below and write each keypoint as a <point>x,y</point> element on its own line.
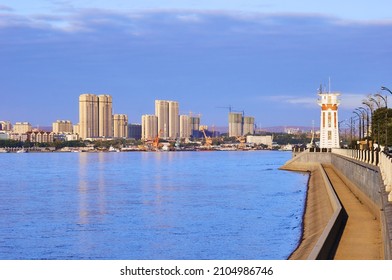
<point>175,205</point>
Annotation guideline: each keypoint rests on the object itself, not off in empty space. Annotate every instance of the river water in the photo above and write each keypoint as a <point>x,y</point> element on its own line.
<point>149,206</point>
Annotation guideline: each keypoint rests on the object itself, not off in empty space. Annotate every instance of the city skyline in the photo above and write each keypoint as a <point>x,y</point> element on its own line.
<point>267,59</point>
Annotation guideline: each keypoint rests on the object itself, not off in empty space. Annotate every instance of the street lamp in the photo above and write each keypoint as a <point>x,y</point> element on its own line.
<point>377,102</point>
<point>363,121</point>
<point>371,117</point>
<point>385,99</point>
<point>367,124</point>
<point>387,89</point>
<point>359,126</point>
<point>386,116</point>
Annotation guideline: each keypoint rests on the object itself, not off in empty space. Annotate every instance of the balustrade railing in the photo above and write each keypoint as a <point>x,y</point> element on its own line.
<point>374,157</point>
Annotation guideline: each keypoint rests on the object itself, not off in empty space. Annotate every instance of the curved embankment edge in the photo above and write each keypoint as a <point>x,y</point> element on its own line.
<point>324,246</point>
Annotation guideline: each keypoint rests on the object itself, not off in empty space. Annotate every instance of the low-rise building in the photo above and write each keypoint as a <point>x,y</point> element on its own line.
<point>5,126</point>
<point>22,127</point>
<point>265,140</point>
<point>4,135</point>
<point>61,126</point>
<point>135,131</point>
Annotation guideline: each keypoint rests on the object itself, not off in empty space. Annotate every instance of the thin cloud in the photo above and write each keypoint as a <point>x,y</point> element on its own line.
<point>191,18</point>
<point>6,8</point>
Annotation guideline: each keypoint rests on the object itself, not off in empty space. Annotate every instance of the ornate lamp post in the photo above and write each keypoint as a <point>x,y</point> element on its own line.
<point>367,125</point>
<point>386,116</point>
<point>385,99</point>
<point>359,126</point>
<point>363,121</point>
<point>371,119</point>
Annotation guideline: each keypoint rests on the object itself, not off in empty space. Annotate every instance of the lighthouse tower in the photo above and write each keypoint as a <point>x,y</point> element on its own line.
<point>329,126</point>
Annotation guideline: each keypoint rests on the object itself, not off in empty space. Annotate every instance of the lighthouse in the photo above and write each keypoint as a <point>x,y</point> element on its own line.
<point>329,126</point>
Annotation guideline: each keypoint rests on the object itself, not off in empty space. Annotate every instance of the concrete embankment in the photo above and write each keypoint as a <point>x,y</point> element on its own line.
<point>321,219</point>
<point>323,216</point>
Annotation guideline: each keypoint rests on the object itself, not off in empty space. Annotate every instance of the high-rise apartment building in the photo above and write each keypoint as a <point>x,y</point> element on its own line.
<point>95,116</point>
<point>120,125</point>
<point>174,120</point>
<point>162,113</point>
<point>168,118</point>
<point>88,116</point>
<point>76,129</point>
<point>185,127</point>
<point>62,126</point>
<point>194,122</point>
<point>105,114</point>
<point>149,127</point>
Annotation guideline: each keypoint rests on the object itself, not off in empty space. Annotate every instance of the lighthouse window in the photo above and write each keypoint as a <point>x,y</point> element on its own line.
<point>329,135</point>
<point>329,119</point>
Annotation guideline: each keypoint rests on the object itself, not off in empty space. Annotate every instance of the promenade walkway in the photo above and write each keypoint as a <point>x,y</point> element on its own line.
<point>361,239</point>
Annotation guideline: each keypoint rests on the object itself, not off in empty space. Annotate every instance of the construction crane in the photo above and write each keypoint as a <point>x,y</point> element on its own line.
<point>156,140</point>
<point>231,109</point>
<point>227,107</point>
<point>208,139</point>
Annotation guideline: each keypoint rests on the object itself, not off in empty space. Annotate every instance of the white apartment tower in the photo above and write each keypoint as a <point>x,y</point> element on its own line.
<point>185,127</point>
<point>174,120</point>
<point>329,126</point>
<point>95,116</point>
<point>105,109</point>
<point>120,126</point>
<point>88,116</point>
<point>149,127</point>
<point>162,113</point>
<point>168,118</point>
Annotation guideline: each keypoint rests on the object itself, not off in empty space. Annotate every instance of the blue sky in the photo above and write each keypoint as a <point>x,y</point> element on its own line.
<point>267,58</point>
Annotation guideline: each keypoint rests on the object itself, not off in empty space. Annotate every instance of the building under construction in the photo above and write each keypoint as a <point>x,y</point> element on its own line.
<point>239,125</point>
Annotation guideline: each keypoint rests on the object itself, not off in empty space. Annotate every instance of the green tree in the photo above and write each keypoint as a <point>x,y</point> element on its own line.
<point>382,125</point>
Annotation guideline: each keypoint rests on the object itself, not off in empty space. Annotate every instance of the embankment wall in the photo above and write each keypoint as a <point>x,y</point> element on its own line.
<point>365,182</point>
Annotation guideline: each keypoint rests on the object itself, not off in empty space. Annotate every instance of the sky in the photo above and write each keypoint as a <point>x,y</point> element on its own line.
<point>267,58</point>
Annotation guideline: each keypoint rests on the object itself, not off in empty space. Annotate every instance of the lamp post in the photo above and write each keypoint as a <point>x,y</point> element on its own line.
<point>352,130</point>
<point>377,102</point>
<point>367,125</point>
<point>371,119</point>
<point>387,89</point>
<point>385,99</point>
<point>363,122</point>
<point>359,126</point>
<point>386,116</point>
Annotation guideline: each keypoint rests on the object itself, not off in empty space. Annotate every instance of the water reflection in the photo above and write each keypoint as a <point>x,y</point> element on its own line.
<point>154,206</point>
<point>92,187</point>
<point>83,188</point>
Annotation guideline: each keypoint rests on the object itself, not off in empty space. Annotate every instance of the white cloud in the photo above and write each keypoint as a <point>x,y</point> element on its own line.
<point>192,18</point>
<point>352,100</point>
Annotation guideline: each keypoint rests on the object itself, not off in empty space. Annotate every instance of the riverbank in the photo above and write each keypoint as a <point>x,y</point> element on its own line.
<point>360,234</point>
<point>318,209</point>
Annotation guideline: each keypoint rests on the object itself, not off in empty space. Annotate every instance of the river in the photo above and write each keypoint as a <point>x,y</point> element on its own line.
<point>149,206</point>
